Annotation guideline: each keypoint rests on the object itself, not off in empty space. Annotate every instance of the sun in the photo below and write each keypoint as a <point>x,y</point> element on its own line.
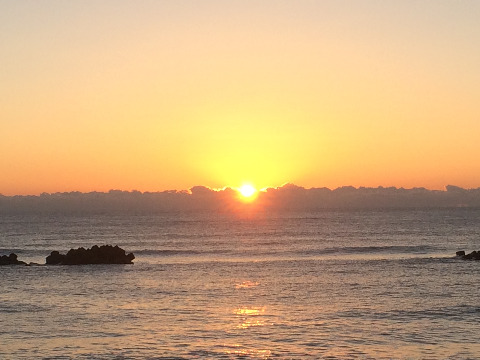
<point>247,191</point>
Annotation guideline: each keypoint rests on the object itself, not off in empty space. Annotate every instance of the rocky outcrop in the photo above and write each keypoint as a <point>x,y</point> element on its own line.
<point>105,254</point>
<point>55,258</point>
<point>10,260</point>
<point>474,255</point>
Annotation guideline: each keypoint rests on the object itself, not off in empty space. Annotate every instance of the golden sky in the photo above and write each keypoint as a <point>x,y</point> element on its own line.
<point>157,95</point>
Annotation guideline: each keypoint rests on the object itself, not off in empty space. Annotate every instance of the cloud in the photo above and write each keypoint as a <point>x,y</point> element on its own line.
<point>288,197</point>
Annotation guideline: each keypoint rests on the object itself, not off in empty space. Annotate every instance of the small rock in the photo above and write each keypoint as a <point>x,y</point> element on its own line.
<point>474,255</point>
<point>11,259</point>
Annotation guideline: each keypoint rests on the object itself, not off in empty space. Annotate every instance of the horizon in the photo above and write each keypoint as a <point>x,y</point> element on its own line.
<point>241,202</point>
<point>238,189</point>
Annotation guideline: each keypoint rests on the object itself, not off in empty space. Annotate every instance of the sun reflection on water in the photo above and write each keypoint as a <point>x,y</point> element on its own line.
<point>249,311</point>
<point>257,354</point>
<point>248,323</point>
<point>246,284</point>
<point>246,317</point>
<point>249,317</point>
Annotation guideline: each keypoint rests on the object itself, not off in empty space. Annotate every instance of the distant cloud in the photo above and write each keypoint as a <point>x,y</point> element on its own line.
<point>288,197</point>
<point>201,190</point>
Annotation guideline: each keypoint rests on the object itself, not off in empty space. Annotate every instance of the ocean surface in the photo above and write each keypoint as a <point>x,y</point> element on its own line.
<point>317,285</point>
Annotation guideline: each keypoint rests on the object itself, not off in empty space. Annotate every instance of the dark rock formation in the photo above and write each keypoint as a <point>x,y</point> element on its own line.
<point>10,260</point>
<point>474,255</point>
<point>54,258</point>
<point>105,254</point>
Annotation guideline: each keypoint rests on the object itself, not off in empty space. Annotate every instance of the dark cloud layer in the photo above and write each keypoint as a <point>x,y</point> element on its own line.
<point>286,198</point>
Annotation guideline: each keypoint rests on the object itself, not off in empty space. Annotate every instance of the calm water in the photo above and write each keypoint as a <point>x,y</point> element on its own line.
<point>304,285</point>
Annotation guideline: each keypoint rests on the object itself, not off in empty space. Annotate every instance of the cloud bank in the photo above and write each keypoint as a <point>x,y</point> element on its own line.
<point>286,198</point>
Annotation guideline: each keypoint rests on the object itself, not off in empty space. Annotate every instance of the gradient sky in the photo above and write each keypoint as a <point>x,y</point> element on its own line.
<point>157,95</point>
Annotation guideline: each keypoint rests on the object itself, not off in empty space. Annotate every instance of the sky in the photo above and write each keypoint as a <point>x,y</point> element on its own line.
<point>159,95</point>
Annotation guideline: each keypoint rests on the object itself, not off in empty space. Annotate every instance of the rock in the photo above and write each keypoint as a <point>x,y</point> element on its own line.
<point>105,254</point>
<point>11,260</point>
<point>54,258</point>
<point>474,255</point>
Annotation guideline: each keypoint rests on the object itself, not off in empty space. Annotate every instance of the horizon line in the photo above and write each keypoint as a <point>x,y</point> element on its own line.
<point>234,188</point>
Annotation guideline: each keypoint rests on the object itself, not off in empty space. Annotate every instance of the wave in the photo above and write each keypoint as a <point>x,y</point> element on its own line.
<point>18,307</point>
<point>416,249</point>
<point>348,250</point>
<point>177,252</point>
<point>262,250</point>
<point>456,313</point>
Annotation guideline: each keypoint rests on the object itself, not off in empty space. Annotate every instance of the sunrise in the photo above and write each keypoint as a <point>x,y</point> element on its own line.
<point>169,95</point>
<point>325,153</point>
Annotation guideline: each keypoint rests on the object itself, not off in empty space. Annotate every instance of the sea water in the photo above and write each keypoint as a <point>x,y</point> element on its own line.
<point>329,284</point>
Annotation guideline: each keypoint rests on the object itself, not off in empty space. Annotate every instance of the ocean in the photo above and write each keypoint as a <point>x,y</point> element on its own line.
<point>311,285</point>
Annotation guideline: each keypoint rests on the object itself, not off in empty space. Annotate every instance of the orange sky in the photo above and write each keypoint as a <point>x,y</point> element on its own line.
<point>156,95</point>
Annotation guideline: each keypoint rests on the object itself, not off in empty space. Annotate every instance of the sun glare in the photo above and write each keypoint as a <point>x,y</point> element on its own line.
<point>247,191</point>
